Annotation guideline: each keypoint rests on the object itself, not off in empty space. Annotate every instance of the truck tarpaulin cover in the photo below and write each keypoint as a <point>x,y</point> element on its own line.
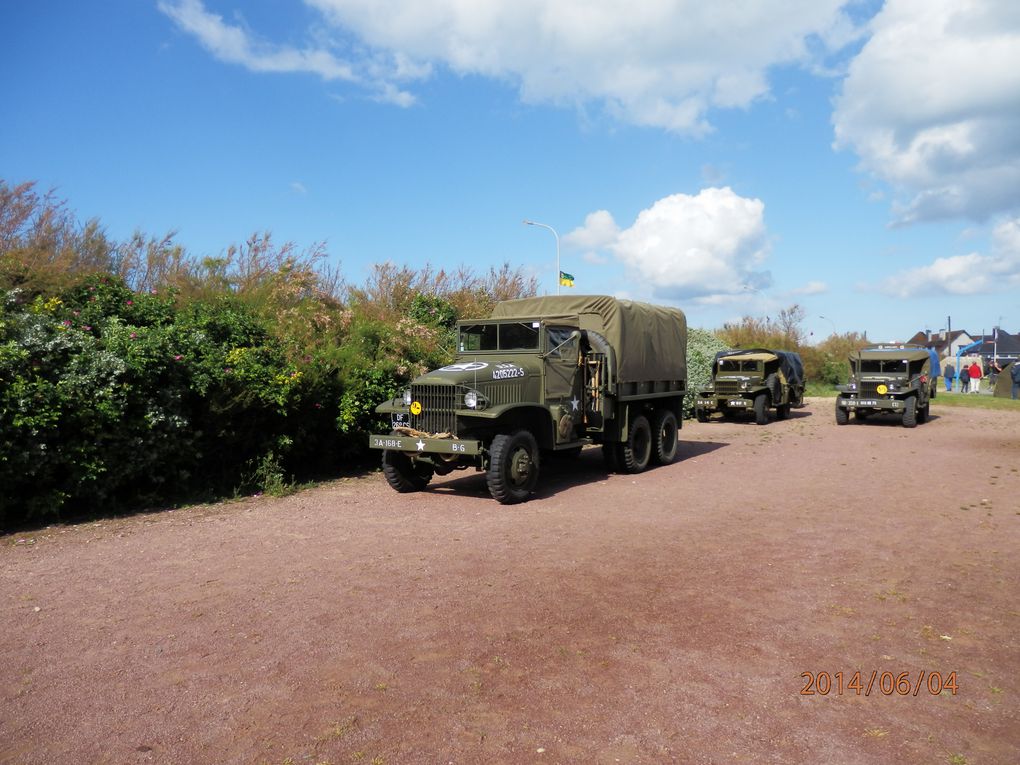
<point>905,353</point>
<point>790,363</point>
<point>650,341</point>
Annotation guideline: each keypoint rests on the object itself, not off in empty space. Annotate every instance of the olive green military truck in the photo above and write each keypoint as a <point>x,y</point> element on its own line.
<point>899,380</point>
<point>754,380</point>
<point>540,376</point>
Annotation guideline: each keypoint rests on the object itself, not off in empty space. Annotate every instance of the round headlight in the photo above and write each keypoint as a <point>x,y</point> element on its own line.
<point>407,397</point>
<point>471,399</point>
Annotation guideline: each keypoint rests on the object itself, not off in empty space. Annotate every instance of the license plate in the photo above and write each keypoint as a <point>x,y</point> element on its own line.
<point>736,402</point>
<point>705,402</point>
<point>862,402</point>
<point>400,420</point>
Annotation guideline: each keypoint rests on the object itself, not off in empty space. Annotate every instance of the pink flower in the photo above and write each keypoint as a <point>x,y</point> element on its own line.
<point>178,357</point>
<point>152,292</point>
<point>86,327</point>
<point>130,302</point>
<point>134,335</point>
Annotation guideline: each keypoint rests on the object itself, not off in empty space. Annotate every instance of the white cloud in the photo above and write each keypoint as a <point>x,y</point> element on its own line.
<point>811,288</point>
<point>687,246</point>
<point>298,188</point>
<point>237,45</point>
<point>662,63</point>
<point>970,274</point>
<point>598,232</point>
<point>931,105</point>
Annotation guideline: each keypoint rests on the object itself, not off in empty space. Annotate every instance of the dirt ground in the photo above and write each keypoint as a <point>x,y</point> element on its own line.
<point>665,617</point>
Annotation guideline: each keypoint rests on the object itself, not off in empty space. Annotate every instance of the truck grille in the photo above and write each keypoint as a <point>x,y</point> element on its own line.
<point>503,393</point>
<point>869,388</point>
<point>727,387</point>
<point>438,408</point>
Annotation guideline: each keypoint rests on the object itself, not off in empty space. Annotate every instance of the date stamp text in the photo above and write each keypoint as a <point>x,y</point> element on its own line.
<point>878,683</point>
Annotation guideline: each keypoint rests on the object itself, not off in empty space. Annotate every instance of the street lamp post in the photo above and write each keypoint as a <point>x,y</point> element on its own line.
<point>544,225</point>
<point>830,322</point>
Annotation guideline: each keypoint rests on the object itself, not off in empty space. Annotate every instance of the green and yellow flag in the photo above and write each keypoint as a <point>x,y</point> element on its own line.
<point>567,280</point>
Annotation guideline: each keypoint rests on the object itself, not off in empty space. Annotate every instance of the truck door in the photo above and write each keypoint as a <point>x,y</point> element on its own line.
<point>563,380</point>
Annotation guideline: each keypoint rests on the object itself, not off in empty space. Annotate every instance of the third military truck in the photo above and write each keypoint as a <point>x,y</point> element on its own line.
<point>889,379</point>
<point>755,381</point>
<point>542,376</point>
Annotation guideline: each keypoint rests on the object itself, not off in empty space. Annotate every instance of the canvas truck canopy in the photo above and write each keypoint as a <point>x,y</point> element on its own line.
<point>789,363</point>
<point>900,353</point>
<point>650,341</point>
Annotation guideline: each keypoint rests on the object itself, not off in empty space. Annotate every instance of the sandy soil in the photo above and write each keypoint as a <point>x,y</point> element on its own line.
<point>664,617</point>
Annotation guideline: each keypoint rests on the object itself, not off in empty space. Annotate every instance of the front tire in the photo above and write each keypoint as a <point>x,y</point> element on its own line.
<point>665,435</point>
<point>782,411</point>
<point>701,415</point>
<point>761,412</point>
<point>842,415</point>
<point>513,467</point>
<point>923,413</point>
<point>403,474</point>
<point>910,413</point>
<point>637,450</point>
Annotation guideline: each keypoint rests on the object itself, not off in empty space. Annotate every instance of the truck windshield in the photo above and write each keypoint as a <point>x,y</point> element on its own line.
<point>737,365</point>
<point>883,366</point>
<point>510,336</point>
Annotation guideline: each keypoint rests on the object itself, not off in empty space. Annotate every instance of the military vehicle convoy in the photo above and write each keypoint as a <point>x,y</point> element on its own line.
<point>754,380</point>
<point>543,375</point>
<point>899,380</point>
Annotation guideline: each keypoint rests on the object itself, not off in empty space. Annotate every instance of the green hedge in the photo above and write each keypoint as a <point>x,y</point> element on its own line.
<point>111,399</point>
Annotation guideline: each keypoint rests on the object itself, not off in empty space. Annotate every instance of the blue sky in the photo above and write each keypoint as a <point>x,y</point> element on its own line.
<point>861,159</point>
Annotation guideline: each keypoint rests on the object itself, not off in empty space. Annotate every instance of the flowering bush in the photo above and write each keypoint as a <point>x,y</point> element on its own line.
<point>702,346</point>
<point>109,398</point>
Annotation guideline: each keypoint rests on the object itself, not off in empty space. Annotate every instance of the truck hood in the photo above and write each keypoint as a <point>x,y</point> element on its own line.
<point>475,373</point>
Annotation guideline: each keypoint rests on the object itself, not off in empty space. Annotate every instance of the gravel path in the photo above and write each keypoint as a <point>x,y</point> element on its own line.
<point>664,617</point>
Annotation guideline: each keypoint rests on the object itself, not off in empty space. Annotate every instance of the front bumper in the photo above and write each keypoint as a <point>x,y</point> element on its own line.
<point>723,402</point>
<point>858,402</point>
<point>422,445</point>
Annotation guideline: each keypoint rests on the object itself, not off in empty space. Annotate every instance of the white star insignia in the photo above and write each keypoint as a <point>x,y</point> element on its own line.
<point>421,445</point>
<point>575,403</point>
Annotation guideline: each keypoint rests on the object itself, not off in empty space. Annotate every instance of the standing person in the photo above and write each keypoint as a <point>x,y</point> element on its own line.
<point>1014,375</point>
<point>949,370</point>
<point>975,377</point>
<point>964,377</point>
<point>993,372</point>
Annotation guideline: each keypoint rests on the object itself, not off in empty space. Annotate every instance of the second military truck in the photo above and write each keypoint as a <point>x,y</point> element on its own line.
<point>543,375</point>
<point>754,380</point>
<point>889,379</point>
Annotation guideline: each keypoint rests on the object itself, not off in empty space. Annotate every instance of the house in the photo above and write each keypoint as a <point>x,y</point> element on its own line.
<point>942,342</point>
<point>1000,344</point>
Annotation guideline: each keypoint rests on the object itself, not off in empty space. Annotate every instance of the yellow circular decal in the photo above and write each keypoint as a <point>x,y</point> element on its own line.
<point>881,390</point>
<point>416,408</point>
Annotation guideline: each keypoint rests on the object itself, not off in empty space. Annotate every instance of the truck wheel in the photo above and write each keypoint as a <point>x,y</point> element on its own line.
<point>910,413</point>
<point>782,411</point>
<point>637,450</point>
<point>513,467</point>
<point>611,454</point>
<point>922,413</point>
<point>665,437</point>
<point>761,412</point>
<point>403,474</point>
<point>701,414</point>
<point>842,415</point>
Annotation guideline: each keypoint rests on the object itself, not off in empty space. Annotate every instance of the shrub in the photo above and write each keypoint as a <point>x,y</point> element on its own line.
<point>702,346</point>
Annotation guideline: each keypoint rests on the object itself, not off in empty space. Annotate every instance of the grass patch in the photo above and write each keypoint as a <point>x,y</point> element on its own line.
<point>975,401</point>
